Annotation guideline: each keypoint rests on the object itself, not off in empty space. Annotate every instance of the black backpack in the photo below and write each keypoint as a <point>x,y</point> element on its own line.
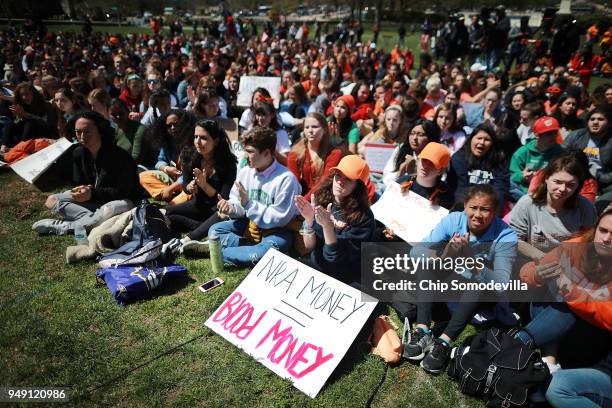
<point>150,230</point>
<point>497,368</point>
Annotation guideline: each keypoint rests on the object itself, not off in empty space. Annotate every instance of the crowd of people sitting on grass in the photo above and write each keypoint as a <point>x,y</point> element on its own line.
<point>520,155</point>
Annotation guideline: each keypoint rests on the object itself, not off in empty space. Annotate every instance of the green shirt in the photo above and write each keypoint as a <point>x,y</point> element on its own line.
<point>529,156</point>
<point>130,140</point>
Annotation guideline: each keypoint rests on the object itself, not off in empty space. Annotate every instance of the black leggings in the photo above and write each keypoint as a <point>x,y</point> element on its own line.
<point>192,218</point>
<point>459,320</point>
<point>466,308</point>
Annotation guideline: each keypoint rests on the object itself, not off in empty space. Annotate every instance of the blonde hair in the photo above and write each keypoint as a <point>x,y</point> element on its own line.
<point>101,96</point>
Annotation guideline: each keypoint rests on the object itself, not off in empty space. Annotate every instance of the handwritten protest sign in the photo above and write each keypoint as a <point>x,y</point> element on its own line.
<point>36,164</point>
<point>377,155</point>
<point>294,320</point>
<point>410,216</point>
<point>248,84</point>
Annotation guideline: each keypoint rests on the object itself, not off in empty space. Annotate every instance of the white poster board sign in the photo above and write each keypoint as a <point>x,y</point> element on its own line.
<point>248,84</point>
<point>296,321</point>
<point>410,216</point>
<point>377,155</point>
<point>34,166</point>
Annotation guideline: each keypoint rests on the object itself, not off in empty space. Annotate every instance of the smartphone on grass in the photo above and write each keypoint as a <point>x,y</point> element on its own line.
<point>211,284</point>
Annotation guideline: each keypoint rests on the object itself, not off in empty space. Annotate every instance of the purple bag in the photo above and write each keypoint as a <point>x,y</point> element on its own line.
<point>131,283</point>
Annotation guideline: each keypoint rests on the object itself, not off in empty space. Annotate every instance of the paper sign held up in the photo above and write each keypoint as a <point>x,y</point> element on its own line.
<point>410,216</point>
<point>248,84</point>
<point>377,155</point>
<point>296,321</point>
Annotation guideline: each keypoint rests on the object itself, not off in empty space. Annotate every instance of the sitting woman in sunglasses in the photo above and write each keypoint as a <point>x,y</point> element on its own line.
<point>169,134</point>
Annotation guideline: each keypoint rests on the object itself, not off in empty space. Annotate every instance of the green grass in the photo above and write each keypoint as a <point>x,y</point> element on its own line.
<point>62,330</point>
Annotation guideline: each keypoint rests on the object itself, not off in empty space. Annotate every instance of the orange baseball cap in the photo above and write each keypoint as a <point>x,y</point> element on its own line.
<point>354,168</point>
<point>436,153</point>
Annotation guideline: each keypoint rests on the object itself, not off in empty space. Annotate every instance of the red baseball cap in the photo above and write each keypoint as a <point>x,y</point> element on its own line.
<point>545,124</point>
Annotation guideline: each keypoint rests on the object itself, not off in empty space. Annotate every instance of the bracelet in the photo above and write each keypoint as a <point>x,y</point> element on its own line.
<point>307,232</point>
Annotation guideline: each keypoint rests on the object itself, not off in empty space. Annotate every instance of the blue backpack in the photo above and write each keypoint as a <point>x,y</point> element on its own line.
<point>131,283</point>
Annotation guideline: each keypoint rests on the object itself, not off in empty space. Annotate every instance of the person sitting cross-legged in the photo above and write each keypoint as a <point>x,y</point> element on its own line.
<point>105,177</point>
<point>261,200</point>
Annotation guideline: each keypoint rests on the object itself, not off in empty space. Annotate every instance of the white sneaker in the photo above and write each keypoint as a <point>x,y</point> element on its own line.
<point>51,226</point>
<point>552,367</point>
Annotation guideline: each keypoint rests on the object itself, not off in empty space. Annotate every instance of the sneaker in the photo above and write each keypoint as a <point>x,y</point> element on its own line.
<point>196,249</point>
<point>420,343</point>
<point>552,367</point>
<point>437,360</point>
<point>51,226</point>
<point>171,249</point>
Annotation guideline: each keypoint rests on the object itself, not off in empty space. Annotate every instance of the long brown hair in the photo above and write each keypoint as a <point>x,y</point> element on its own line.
<point>323,150</point>
<point>595,271</point>
<point>353,208</point>
<point>569,161</point>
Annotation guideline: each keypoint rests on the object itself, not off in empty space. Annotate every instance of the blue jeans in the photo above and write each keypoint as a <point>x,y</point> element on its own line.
<point>493,57</point>
<point>550,322</point>
<point>580,388</point>
<point>230,233</point>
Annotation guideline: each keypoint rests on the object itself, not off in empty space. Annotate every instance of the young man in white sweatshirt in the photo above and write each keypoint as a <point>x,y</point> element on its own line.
<point>262,197</point>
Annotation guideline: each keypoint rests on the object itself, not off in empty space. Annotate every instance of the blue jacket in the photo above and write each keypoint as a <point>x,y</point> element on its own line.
<point>474,114</point>
<point>498,246</point>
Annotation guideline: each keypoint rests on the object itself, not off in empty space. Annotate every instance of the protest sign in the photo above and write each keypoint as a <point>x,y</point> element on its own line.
<point>248,84</point>
<point>377,155</point>
<point>36,164</point>
<point>230,126</point>
<point>410,216</point>
<point>296,321</point>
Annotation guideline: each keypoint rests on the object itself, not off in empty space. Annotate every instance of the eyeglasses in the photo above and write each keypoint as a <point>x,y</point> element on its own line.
<point>172,125</point>
<point>153,81</point>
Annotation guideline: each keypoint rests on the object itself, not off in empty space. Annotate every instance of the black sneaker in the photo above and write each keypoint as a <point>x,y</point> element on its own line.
<point>420,343</point>
<point>437,360</point>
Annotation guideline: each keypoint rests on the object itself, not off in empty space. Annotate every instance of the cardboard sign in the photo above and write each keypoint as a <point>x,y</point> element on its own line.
<point>377,155</point>
<point>248,84</point>
<point>410,216</point>
<point>35,165</point>
<point>296,321</point>
<point>230,125</point>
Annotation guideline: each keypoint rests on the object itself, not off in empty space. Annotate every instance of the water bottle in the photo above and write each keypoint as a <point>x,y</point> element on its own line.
<point>216,257</point>
<point>80,235</point>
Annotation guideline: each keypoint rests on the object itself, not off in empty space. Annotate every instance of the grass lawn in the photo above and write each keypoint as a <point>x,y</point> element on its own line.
<point>61,330</point>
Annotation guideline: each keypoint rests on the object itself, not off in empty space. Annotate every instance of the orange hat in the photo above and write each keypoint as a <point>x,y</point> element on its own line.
<point>354,168</point>
<point>349,100</point>
<point>436,153</point>
<point>545,124</point>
